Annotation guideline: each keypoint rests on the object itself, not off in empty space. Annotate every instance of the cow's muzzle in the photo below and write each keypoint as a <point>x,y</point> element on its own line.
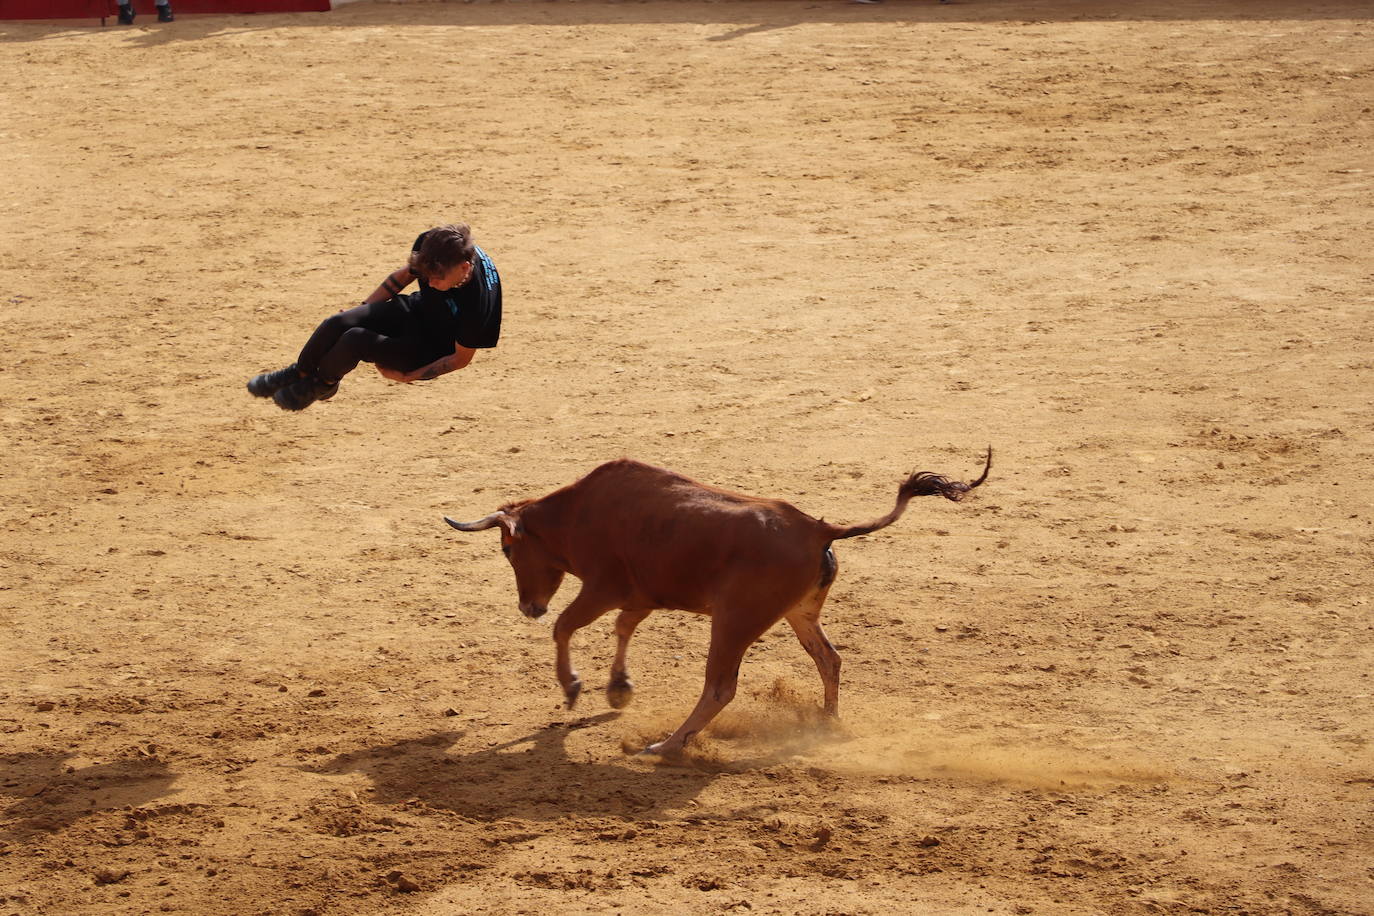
<point>533,611</point>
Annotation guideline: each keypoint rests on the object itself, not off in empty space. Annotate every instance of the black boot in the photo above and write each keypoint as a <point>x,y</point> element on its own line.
<point>301,394</point>
<point>164,13</point>
<point>126,13</point>
<point>269,383</point>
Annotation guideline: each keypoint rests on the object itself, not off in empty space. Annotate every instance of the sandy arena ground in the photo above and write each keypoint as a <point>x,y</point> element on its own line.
<point>796,249</point>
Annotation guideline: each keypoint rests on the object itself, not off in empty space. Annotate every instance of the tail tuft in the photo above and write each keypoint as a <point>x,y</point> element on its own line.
<point>926,483</point>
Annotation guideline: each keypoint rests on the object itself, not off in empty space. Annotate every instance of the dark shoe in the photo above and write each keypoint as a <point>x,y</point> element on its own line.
<point>126,13</point>
<point>304,392</point>
<point>164,13</point>
<point>269,383</point>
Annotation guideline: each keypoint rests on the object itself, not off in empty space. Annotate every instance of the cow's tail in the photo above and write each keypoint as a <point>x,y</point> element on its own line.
<point>922,483</point>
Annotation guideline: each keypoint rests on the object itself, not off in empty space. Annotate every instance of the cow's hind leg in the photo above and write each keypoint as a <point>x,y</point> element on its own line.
<point>805,619</point>
<point>620,690</point>
<point>586,607</point>
<point>731,636</point>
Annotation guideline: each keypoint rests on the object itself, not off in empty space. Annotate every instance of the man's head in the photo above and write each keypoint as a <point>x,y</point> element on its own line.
<point>444,259</point>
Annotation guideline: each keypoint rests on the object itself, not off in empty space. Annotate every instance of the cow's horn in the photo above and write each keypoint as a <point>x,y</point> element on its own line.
<point>482,524</point>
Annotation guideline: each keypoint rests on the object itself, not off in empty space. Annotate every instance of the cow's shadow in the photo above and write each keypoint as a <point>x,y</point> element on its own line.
<point>531,777</point>
<point>51,795</point>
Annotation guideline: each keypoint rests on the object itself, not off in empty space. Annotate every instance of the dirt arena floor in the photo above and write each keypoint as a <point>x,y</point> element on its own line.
<point>796,249</point>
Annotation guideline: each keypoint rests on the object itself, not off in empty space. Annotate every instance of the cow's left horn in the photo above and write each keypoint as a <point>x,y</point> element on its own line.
<point>482,524</point>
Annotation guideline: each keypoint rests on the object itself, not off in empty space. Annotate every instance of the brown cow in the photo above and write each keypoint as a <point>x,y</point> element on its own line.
<point>642,538</point>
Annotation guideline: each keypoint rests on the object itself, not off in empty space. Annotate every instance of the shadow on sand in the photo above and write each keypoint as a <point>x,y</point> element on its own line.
<point>532,777</point>
<point>52,795</point>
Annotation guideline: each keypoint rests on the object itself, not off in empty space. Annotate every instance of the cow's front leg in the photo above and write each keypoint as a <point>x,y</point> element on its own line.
<point>621,689</point>
<point>586,607</point>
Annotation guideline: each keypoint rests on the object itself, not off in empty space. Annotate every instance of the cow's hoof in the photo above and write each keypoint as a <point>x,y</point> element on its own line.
<point>619,693</point>
<point>573,691</point>
<point>664,756</point>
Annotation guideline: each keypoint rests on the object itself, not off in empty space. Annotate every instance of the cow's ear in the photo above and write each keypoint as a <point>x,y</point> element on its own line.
<point>511,524</point>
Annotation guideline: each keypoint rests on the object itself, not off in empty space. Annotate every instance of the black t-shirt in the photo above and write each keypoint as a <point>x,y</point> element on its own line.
<point>469,314</point>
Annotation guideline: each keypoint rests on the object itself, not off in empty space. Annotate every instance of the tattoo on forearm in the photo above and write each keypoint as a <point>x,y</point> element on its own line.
<point>438,368</point>
<point>391,286</point>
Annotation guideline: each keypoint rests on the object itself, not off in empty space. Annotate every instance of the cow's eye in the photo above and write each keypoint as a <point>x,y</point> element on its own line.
<point>505,548</point>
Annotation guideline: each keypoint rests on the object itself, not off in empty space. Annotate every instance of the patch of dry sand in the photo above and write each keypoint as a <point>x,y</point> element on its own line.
<point>792,248</point>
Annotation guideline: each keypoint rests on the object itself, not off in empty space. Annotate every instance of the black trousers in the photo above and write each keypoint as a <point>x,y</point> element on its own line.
<point>385,333</point>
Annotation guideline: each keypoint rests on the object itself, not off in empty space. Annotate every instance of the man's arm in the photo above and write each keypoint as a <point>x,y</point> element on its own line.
<point>456,360</point>
<point>396,281</point>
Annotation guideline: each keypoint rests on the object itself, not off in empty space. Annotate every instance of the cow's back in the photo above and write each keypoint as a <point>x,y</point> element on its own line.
<point>681,544</point>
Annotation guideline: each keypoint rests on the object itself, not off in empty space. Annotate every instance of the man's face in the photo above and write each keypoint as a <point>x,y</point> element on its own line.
<point>452,278</point>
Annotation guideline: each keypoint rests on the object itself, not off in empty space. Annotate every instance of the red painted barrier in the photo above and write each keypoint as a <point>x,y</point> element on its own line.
<point>94,9</point>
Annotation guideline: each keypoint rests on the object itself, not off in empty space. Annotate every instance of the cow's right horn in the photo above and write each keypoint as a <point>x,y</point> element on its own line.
<point>482,524</point>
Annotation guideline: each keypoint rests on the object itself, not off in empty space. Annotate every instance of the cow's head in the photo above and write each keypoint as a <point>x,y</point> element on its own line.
<point>538,573</point>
